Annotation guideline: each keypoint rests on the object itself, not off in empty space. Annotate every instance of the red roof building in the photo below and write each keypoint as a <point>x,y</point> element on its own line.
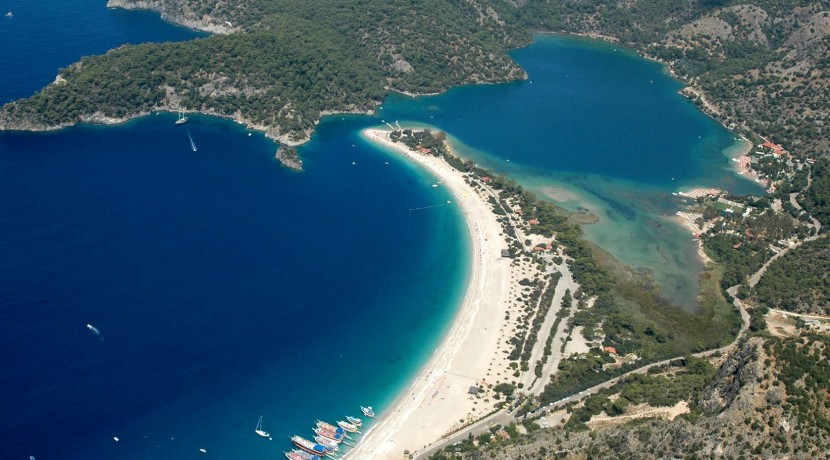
<point>533,222</point>
<point>774,147</point>
<point>486,179</point>
<point>611,350</point>
<point>423,150</point>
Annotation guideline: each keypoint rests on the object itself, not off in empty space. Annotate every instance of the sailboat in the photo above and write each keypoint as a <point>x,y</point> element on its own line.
<point>9,14</point>
<point>182,119</point>
<point>259,431</point>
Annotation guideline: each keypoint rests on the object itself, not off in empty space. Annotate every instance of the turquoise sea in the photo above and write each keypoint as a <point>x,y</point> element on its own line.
<point>595,127</point>
<point>223,286</point>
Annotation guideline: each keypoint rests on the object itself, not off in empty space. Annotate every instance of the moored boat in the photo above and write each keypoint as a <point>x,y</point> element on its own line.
<point>347,426</point>
<point>354,420</point>
<point>331,446</point>
<point>300,455</point>
<point>308,446</point>
<point>336,437</point>
<point>330,427</point>
<point>367,411</point>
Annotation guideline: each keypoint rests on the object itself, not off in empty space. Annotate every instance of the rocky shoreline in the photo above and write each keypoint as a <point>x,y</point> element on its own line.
<point>288,157</point>
<point>176,17</point>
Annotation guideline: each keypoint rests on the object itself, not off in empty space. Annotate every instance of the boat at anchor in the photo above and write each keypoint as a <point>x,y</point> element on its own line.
<point>331,446</point>
<point>368,411</point>
<point>348,426</point>
<point>336,437</point>
<point>308,446</point>
<point>332,428</point>
<point>258,430</point>
<point>300,455</point>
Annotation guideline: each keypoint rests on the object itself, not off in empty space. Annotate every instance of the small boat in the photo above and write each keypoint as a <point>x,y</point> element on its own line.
<point>331,446</point>
<point>182,119</point>
<point>308,446</point>
<point>328,434</point>
<point>258,430</point>
<point>300,455</point>
<point>9,14</point>
<point>367,411</point>
<point>354,420</point>
<point>330,427</point>
<point>192,144</point>
<point>347,426</point>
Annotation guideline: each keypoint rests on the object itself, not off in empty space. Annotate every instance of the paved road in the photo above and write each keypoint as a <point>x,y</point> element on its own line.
<point>505,418</point>
<point>502,417</point>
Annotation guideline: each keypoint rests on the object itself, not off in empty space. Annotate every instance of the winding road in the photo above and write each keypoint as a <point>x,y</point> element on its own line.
<point>506,416</point>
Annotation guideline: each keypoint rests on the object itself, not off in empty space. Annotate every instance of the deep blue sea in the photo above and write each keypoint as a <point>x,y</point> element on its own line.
<point>224,286</point>
<point>45,35</point>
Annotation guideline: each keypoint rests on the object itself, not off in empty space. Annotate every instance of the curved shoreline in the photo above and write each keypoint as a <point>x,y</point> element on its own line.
<point>437,399</point>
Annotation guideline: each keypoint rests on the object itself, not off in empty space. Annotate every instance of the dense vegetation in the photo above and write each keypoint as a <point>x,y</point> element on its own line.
<point>805,373</point>
<point>761,63</point>
<point>627,312</point>
<point>739,260</point>
<point>291,62</point>
<point>225,75</point>
<point>817,197</point>
<point>685,384</point>
<point>426,141</point>
<point>767,400</point>
<point>799,281</point>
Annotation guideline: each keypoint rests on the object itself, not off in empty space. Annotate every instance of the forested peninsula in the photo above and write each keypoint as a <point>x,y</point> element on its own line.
<point>278,65</point>
<point>758,66</point>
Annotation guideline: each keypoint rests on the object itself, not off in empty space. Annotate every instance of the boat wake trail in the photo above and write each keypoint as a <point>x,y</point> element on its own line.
<point>192,144</point>
<point>95,331</point>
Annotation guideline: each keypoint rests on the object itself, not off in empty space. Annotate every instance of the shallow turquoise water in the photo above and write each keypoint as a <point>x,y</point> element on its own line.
<point>596,127</point>
<point>226,287</point>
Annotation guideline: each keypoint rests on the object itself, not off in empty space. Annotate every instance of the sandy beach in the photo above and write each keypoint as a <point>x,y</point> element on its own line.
<point>743,164</point>
<point>689,220</point>
<point>472,354</point>
<point>700,192</point>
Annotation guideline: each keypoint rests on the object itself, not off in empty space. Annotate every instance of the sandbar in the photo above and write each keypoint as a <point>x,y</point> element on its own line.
<point>472,353</point>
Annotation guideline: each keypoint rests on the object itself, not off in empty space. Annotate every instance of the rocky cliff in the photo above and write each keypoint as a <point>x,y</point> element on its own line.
<point>768,399</point>
<point>182,13</point>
